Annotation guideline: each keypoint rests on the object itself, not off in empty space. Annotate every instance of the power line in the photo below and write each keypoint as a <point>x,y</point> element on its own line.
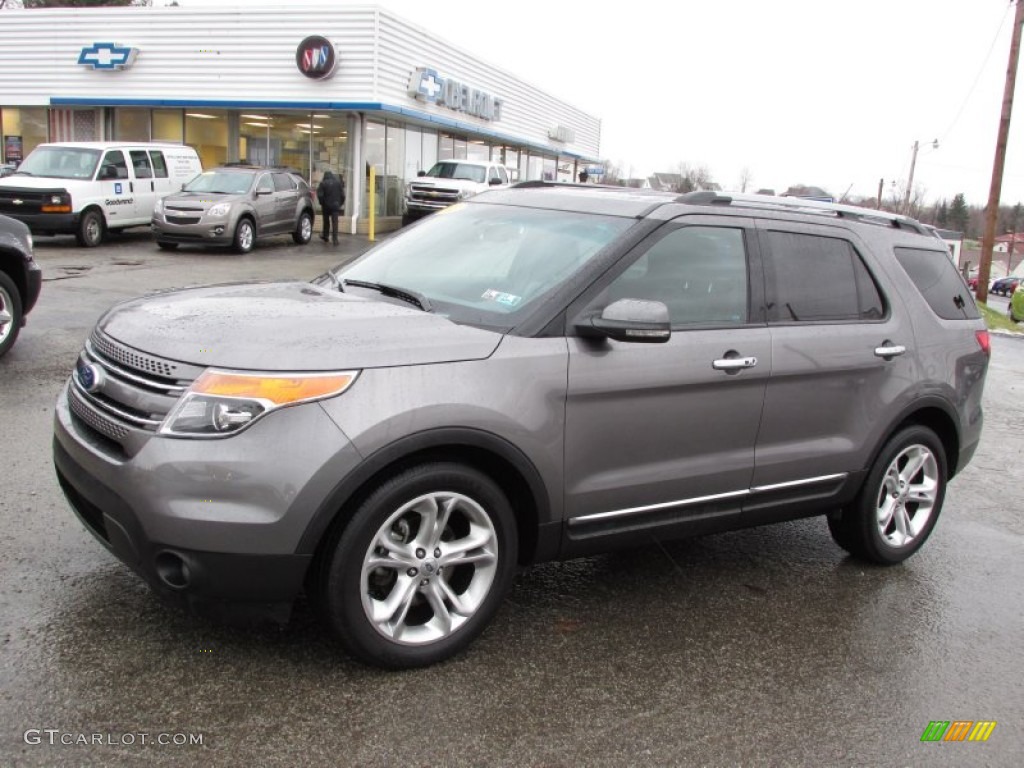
<point>974,85</point>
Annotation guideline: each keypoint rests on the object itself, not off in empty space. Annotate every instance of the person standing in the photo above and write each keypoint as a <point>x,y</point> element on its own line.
<point>331,195</point>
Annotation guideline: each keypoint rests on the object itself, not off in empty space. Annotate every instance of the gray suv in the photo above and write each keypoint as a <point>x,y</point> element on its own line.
<point>543,372</point>
<point>235,205</point>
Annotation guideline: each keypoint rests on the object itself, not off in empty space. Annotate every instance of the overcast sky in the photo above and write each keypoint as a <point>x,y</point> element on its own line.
<point>819,92</point>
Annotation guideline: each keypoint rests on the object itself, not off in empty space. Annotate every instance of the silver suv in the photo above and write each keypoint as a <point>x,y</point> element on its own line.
<point>235,205</point>
<point>543,372</point>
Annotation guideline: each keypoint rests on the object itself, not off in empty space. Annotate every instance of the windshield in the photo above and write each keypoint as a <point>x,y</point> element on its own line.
<point>221,183</point>
<point>485,264</point>
<point>60,163</point>
<point>464,171</point>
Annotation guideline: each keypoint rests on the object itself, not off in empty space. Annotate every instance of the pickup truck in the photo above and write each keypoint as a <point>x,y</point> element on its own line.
<point>448,182</point>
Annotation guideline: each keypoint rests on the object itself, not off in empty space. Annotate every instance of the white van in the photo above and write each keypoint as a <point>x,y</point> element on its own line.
<point>86,189</point>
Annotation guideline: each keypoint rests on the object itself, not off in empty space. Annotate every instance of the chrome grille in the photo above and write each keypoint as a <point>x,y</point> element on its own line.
<point>96,420</point>
<point>123,393</point>
<point>140,361</point>
<point>433,194</point>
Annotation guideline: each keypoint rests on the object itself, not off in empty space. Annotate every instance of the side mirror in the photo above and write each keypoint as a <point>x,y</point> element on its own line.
<point>630,320</point>
<point>262,192</point>
<point>421,173</point>
<point>494,182</point>
<point>108,172</point>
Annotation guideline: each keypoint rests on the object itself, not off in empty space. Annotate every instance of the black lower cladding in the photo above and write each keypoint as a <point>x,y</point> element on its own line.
<point>226,585</point>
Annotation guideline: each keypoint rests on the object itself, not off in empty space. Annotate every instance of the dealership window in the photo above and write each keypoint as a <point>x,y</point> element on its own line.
<point>131,124</point>
<point>478,150</point>
<point>535,168</point>
<point>168,125</point>
<point>374,154</point>
<point>429,150</point>
<point>207,131</point>
<point>330,146</point>
<point>394,176</point>
<point>23,129</point>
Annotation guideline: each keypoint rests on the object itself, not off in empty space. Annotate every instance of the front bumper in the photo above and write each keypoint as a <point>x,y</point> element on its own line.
<point>33,284</point>
<point>48,223</point>
<point>218,232</point>
<point>212,524</point>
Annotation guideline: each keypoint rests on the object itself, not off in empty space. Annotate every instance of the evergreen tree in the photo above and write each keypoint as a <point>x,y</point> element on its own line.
<point>958,215</point>
<point>942,214</point>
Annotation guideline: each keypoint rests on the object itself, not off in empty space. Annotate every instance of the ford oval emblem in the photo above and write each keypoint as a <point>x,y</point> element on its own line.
<point>90,377</point>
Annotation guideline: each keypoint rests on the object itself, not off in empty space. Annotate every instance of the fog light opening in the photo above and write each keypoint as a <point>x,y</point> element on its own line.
<point>173,570</point>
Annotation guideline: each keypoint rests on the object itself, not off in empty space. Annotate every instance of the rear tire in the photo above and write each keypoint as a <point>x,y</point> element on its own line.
<point>10,313</point>
<point>245,236</point>
<point>900,501</point>
<point>303,229</point>
<point>166,246</point>
<point>421,567</point>
<point>91,229</point>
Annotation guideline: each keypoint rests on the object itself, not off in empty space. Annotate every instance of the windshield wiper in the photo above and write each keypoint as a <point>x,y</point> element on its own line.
<point>21,173</point>
<point>329,275</point>
<point>412,297</point>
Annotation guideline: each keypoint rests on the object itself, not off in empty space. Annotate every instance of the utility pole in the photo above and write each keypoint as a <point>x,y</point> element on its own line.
<point>910,181</point>
<point>880,183</point>
<point>985,268</point>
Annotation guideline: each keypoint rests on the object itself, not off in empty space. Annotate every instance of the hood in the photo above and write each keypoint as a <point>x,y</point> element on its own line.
<point>205,198</point>
<point>290,327</point>
<point>44,182</point>
<point>432,181</point>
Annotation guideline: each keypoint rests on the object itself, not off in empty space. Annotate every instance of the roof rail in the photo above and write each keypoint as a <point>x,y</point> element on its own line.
<point>801,205</point>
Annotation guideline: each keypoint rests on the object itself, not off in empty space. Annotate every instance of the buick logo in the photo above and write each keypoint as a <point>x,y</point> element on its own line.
<point>315,57</point>
<point>90,377</point>
<point>17,201</point>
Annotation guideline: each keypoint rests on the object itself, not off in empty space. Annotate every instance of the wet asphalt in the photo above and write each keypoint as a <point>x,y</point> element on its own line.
<point>760,647</point>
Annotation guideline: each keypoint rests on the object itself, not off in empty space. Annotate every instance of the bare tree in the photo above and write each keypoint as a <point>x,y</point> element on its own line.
<point>694,178</point>
<point>745,178</point>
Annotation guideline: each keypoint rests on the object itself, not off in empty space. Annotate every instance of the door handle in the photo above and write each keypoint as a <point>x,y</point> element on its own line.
<point>131,186</point>
<point>888,350</point>
<point>734,364</point>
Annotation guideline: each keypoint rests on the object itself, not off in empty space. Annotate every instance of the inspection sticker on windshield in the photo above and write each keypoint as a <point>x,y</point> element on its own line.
<point>508,299</point>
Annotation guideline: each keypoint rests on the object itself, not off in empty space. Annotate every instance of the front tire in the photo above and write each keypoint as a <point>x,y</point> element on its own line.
<point>421,568</point>
<point>245,236</point>
<point>10,313</point>
<point>900,501</point>
<point>91,229</point>
<point>303,229</point>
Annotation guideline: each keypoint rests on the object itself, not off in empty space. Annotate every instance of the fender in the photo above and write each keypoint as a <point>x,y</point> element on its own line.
<point>919,404</point>
<point>406,446</point>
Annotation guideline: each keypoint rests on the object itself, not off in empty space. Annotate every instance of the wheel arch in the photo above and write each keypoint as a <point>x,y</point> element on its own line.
<point>12,264</point>
<point>504,463</point>
<point>938,416</point>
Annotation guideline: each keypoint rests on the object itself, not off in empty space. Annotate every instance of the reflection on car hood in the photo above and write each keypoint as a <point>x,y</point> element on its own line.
<point>290,326</point>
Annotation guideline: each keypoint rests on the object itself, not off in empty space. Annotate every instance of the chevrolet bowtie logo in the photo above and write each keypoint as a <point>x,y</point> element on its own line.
<point>108,56</point>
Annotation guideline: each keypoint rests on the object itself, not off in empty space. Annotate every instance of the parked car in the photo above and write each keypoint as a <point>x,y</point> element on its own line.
<point>448,182</point>
<point>235,205</point>
<point>1016,306</point>
<point>20,280</point>
<point>87,189</point>
<point>542,372</point>
<point>1005,286</point>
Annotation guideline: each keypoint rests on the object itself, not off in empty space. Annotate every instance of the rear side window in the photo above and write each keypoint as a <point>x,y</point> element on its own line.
<point>938,281</point>
<point>810,278</point>
<point>283,182</point>
<point>140,163</point>
<point>159,166</point>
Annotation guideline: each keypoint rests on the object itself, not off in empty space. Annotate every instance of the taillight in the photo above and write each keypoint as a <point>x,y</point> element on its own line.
<point>984,342</point>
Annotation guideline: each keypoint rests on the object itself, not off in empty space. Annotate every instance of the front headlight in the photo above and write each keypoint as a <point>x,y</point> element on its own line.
<point>220,209</point>
<point>158,207</point>
<point>221,403</point>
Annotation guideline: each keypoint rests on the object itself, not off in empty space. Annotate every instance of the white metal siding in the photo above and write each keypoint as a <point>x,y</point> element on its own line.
<point>200,55</point>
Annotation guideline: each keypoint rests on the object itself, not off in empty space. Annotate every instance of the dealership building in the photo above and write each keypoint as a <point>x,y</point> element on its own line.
<point>345,88</point>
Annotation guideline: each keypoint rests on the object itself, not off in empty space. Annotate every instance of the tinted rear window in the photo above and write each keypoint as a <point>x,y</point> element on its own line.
<point>938,281</point>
